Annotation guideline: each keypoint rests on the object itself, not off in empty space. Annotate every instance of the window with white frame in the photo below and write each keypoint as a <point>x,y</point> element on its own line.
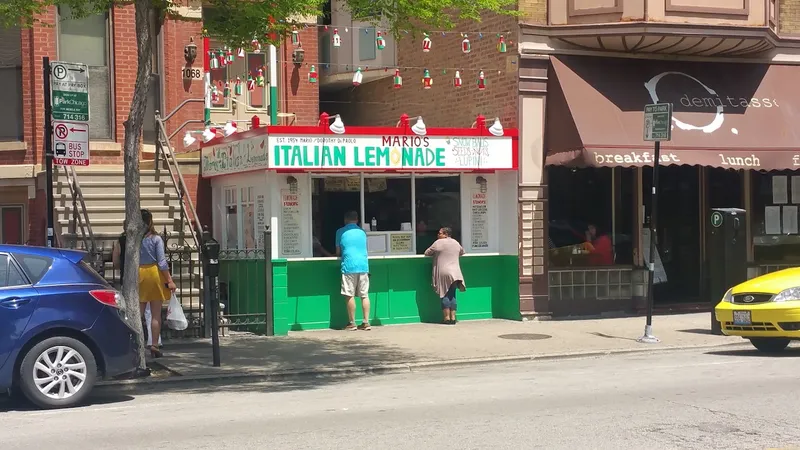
<point>401,213</point>
<point>248,218</point>
<point>86,40</point>
<point>257,67</point>
<point>11,77</point>
<point>252,68</point>
<point>231,218</point>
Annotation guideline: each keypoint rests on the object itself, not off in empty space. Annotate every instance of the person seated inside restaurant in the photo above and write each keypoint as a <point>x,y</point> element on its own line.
<point>601,250</point>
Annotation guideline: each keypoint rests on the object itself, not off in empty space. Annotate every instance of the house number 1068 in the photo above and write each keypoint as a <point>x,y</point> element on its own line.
<point>190,73</point>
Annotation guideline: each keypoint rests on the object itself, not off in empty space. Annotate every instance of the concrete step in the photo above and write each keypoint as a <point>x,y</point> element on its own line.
<point>91,186</point>
<point>100,200</point>
<point>103,225</point>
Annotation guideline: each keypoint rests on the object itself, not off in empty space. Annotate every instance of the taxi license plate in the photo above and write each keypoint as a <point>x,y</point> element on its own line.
<point>742,318</point>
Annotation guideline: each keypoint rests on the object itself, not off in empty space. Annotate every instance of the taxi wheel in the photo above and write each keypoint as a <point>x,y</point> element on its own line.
<point>770,345</point>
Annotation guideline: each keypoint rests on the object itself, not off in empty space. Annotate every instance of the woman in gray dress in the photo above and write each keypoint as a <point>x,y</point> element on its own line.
<point>447,276</point>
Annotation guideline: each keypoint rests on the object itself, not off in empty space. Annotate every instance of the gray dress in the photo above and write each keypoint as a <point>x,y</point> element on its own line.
<point>446,268</point>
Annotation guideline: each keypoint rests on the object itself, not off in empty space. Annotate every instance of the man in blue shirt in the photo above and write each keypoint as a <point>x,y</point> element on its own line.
<point>351,248</point>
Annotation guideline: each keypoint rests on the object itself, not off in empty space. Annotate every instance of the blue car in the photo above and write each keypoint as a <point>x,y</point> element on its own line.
<point>61,327</point>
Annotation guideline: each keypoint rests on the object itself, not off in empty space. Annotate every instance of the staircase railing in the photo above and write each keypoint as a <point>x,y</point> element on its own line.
<point>80,220</point>
<point>164,150</point>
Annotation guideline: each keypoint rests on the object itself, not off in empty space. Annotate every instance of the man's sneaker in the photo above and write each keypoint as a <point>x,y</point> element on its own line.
<point>364,327</point>
<point>350,327</point>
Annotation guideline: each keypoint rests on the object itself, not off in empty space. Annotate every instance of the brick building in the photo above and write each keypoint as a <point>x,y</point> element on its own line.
<point>107,44</point>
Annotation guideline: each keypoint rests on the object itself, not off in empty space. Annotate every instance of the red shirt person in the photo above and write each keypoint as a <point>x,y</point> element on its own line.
<point>602,251</point>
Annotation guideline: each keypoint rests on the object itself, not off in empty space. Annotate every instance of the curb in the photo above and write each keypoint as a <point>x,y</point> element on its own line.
<point>382,369</point>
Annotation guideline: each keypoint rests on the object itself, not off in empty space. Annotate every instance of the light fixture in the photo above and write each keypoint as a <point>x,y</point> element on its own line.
<point>190,52</point>
<point>480,181</point>
<point>208,134</point>
<point>337,126</point>
<point>419,127</point>
<point>229,129</point>
<point>298,55</point>
<point>496,129</point>
<point>188,139</point>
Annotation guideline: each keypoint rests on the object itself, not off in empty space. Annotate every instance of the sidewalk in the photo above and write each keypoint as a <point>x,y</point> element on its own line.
<point>403,347</point>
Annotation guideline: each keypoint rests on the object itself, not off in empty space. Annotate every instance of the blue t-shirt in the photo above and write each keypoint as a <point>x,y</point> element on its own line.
<point>352,241</point>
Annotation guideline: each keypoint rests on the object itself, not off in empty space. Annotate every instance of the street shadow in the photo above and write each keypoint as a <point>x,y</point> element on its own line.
<point>696,331</point>
<point>788,353</point>
<point>17,403</point>
<point>608,336</point>
<point>292,363</point>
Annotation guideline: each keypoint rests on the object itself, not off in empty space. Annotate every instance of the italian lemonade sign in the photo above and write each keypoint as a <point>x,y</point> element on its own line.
<point>389,152</point>
<point>363,153</point>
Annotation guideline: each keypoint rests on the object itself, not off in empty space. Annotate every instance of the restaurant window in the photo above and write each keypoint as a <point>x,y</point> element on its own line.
<point>248,218</point>
<point>774,216</point>
<point>386,206</point>
<point>11,76</point>
<point>438,204</point>
<point>597,199</point>
<point>231,219</point>
<point>86,40</point>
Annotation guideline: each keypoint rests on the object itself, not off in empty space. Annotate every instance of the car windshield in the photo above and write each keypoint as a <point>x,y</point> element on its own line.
<point>84,264</point>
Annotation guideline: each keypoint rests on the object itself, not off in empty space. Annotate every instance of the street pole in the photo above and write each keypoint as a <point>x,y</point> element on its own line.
<point>48,151</point>
<point>273,85</point>
<point>206,82</point>
<point>648,337</point>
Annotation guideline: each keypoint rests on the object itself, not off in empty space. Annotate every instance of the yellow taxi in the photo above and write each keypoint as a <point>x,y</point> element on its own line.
<point>765,310</point>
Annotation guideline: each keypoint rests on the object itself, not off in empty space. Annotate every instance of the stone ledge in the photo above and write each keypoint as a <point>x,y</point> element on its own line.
<point>13,146</point>
<point>105,148</point>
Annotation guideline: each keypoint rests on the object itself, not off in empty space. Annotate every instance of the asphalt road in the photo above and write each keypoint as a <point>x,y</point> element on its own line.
<point>728,399</point>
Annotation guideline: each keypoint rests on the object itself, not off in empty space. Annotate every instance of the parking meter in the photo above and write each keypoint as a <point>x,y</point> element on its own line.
<point>726,252</point>
<point>211,256</point>
<point>210,249</point>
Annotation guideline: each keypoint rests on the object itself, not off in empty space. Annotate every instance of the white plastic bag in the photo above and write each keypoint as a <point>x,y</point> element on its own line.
<point>175,317</point>
<point>148,320</point>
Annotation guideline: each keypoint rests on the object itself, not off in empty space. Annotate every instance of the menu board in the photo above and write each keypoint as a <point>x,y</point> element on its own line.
<point>261,220</point>
<point>480,219</point>
<point>400,243</point>
<point>291,223</point>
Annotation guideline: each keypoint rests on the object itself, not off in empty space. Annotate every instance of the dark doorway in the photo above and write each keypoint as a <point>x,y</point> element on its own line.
<point>678,232</point>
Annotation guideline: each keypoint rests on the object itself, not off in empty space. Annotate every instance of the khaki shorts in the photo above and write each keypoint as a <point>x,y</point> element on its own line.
<point>355,285</point>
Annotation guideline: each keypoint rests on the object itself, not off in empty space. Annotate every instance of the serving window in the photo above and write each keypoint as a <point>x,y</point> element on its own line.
<point>401,213</point>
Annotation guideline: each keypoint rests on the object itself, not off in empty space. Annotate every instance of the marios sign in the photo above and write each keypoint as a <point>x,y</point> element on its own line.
<point>238,156</point>
<point>390,152</point>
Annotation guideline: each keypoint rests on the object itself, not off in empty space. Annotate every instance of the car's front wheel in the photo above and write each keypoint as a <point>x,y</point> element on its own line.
<point>58,372</point>
<point>770,345</point>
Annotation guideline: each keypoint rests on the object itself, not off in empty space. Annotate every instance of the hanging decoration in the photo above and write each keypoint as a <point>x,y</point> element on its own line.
<point>398,80</point>
<point>260,77</point>
<point>501,44</point>
<point>213,62</point>
<point>426,44</point>
<point>427,81</point>
<point>227,91</point>
<point>295,36</point>
<point>466,47</point>
<point>251,83</point>
<point>237,86</point>
<point>214,95</point>
<point>457,79</point>
<point>229,56</point>
<point>240,52</point>
<point>380,42</point>
<point>357,77</point>
<point>256,45</point>
<point>312,75</point>
<point>481,81</point>
<point>337,40</point>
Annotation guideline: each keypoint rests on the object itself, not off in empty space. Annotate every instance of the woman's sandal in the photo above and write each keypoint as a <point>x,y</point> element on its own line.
<point>155,352</point>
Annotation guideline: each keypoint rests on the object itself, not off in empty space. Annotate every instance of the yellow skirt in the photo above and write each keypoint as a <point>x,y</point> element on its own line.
<point>152,285</point>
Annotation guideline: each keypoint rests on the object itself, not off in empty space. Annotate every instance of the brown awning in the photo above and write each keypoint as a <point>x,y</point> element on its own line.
<point>731,115</point>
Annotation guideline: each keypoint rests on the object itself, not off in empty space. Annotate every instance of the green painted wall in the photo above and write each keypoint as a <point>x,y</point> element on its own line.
<point>306,293</point>
<point>242,281</point>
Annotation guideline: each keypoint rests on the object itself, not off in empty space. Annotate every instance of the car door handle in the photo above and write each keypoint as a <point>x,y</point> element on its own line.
<point>14,302</point>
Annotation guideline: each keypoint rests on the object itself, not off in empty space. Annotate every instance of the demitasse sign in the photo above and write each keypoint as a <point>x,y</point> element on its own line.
<point>390,152</point>
<point>234,157</point>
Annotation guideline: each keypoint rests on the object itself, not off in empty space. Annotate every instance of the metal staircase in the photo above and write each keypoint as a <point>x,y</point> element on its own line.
<point>89,216</point>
